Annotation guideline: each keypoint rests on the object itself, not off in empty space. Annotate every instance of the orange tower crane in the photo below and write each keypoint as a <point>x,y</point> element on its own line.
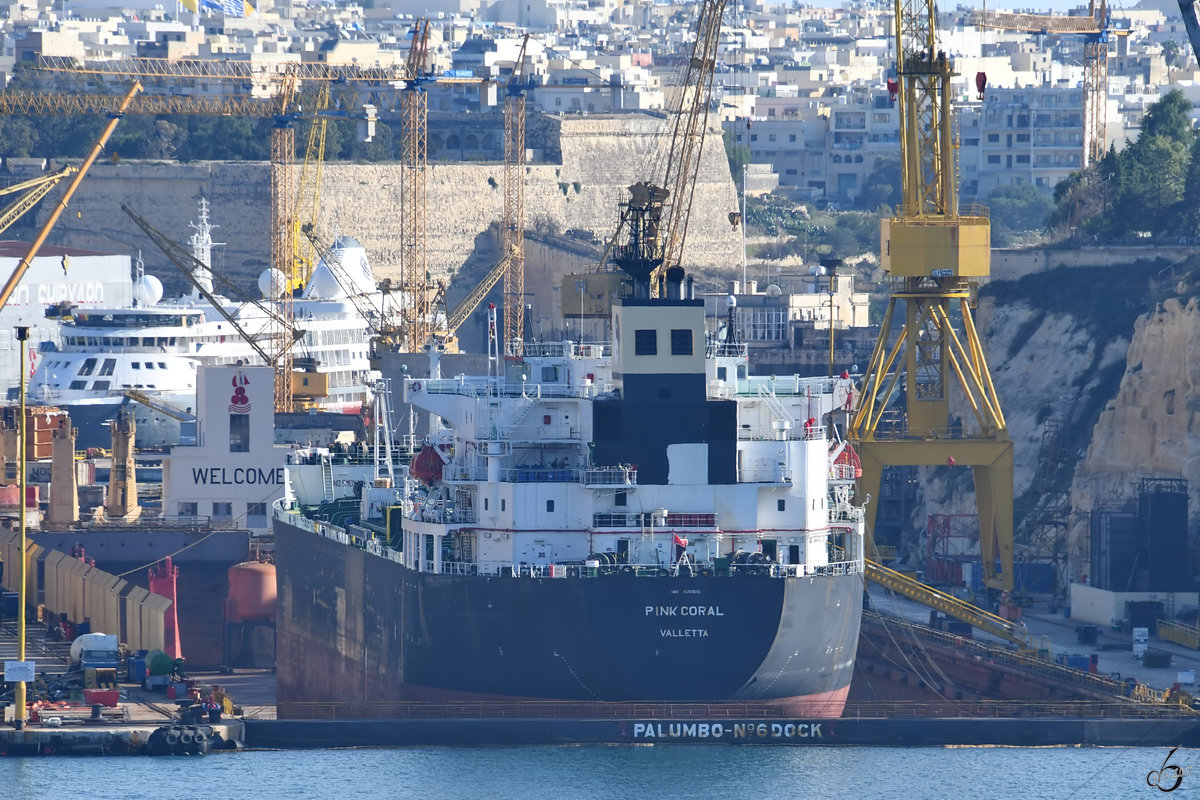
<point>414,265</point>
<point>242,89</point>
<point>512,230</point>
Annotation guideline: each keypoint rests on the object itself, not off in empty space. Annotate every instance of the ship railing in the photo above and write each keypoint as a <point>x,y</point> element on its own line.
<point>507,569</point>
<point>721,390</point>
<point>444,514</point>
<point>645,519</point>
<point>610,476</point>
<point>779,475</point>
<point>591,350</point>
<point>540,475</point>
<point>725,350</point>
<point>494,387</point>
<point>847,515</point>
<point>788,385</point>
<point>842,472</point>
<point>760,433</point>
<point>541,433</point>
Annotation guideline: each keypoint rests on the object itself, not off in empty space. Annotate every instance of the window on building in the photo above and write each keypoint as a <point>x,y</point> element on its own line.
<point>791,137</point>
<point>754,137</point>
<point>239,433</point>
<point>770,137</point>
<point>222,510</point>
<point>993,159</point>
<point>256,511</point>
<point>188,509</point>
<point>1022,159</point>
<point>993,138</point>
<point>549,505</point>
<point>681,341</point>
<point>645,342</point>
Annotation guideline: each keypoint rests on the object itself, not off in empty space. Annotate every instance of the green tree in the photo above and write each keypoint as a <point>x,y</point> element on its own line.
<point>881,187</point>
<point>1017,208</point>
<point>1150,179</point>
<point>1169,117</point>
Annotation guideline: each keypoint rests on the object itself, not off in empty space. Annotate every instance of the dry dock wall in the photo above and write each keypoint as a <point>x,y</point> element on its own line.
<point>600,157</point>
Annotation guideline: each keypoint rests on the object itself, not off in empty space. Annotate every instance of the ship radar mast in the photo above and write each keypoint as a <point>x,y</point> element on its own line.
<point>202,245</point>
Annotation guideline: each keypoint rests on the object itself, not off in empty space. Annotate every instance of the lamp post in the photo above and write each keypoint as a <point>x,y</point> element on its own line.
<point>19,694</point>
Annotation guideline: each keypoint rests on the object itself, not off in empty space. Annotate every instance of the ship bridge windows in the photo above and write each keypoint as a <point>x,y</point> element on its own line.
<point>621,499</point>
<point>88,367</point>
<point>78,384</point>
<point>107,367</point>
<point>550,374</point>
<point>137,364</point>
<point>100,386</point>
<point>645,342</point>
<point>681,341</point>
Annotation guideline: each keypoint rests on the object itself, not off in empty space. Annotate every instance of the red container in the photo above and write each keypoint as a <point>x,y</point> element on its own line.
<point>105,697</point>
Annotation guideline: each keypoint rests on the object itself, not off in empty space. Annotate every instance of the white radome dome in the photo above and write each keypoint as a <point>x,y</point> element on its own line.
<point>272,283</point>
<point>148,290</point>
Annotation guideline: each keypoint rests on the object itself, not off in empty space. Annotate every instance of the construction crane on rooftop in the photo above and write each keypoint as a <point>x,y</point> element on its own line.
<point>33,190</point>
<point>341,86</point>
<point>1096,29</point>
<point>512,229</point>
<point>414,266</point>
<point>928,363</point>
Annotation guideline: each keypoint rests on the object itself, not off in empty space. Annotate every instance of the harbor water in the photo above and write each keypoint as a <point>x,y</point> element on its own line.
<point>592,773</point>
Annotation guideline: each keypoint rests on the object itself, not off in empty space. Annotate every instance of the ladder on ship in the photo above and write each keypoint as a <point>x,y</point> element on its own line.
<point>949,604</point>
<point>327,479</point>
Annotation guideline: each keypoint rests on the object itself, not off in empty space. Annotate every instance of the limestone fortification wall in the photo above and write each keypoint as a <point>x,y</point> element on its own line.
<point>600,157</point>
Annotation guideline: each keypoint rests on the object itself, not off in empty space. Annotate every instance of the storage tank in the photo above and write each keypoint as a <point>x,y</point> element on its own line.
<point>251,595</point>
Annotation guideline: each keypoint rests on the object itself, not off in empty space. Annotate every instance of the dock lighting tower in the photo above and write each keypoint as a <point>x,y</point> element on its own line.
<point>928,353</point>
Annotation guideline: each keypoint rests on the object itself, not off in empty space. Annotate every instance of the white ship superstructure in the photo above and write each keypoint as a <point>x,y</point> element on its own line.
<point>154,346</point>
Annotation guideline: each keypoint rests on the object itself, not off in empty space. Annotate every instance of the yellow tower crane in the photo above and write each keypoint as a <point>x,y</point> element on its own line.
<point>929,352</point>
<point>1096,29</point>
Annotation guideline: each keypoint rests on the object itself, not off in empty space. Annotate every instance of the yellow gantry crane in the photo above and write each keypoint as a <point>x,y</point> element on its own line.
<point>1096,29</point>
<point>928,366</point>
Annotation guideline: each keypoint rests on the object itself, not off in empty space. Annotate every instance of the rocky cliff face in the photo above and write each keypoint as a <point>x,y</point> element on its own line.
<point>1151,428</point>
<point>1080,353</point>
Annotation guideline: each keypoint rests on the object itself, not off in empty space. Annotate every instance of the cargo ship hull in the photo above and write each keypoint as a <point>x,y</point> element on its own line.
<point>375,630</point>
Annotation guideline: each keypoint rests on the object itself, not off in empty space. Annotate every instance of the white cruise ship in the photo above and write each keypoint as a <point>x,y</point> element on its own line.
<point>154,346</point>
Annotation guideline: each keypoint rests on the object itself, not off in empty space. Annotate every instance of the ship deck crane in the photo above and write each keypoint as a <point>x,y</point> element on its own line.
<point>655,218</point>
<point>1096,29</point>
<point>934,254</point>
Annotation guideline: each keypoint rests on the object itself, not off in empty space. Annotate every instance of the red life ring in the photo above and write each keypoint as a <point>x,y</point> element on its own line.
<point>416,386</point>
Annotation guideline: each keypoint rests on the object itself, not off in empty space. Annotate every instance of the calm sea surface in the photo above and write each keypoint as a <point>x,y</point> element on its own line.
<point>649,773</point>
